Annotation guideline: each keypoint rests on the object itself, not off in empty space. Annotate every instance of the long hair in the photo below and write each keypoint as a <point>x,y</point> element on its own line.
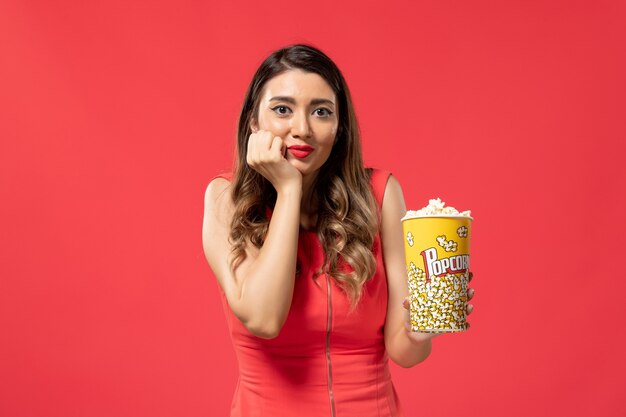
<point>347,213</point>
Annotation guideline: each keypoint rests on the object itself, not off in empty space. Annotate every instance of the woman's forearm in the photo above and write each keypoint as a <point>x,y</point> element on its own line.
<point>406,352</point>
<point>267,291</point>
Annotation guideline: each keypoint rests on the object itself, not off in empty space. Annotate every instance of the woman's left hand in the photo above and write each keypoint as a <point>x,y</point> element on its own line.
<point>419,337</point>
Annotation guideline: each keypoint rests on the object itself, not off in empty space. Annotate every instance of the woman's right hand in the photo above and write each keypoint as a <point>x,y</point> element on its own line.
<point>266,155</point>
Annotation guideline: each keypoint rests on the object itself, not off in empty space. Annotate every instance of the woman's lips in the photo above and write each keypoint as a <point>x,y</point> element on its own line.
<point>300,151</point>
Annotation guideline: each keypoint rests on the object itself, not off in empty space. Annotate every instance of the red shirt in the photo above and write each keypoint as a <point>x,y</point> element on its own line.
<point>324,362</point>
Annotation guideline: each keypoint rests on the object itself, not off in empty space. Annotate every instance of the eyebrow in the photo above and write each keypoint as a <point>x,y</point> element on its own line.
<point>293,101</point>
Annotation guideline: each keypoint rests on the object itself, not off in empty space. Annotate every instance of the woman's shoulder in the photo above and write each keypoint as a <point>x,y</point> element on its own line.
<point>218,188</point>
<point>227,175</point>
<point>219,182</point>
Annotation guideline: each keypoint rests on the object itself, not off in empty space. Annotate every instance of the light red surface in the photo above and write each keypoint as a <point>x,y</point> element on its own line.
<point>114,116</point>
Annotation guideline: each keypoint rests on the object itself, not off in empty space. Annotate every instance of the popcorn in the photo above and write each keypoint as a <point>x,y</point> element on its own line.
<point>448,245</point>
<point>437,304</point>
<point>436,207</point>
<point>409,239</point>
<point>437,267</point>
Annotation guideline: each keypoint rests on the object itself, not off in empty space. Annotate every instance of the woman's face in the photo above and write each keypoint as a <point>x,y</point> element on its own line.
<point>300,107</point>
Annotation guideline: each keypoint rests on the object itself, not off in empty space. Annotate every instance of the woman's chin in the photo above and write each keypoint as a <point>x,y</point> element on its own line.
<point>305,168</point>
<point>295,162</point>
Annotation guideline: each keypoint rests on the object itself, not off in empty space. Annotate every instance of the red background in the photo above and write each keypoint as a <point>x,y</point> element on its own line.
<point>115,115</point>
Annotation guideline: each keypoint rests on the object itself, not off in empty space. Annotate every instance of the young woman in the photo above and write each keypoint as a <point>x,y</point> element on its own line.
<point>307,247</point>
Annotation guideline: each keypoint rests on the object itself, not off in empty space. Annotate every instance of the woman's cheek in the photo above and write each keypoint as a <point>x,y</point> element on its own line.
<point>276,125</point>
<point>279,127</point>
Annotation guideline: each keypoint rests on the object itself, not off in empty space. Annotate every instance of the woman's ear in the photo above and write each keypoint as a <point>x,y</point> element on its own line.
<point>253,125</point>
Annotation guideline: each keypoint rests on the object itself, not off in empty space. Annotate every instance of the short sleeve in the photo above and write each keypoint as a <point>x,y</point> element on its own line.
<point>378,181</point>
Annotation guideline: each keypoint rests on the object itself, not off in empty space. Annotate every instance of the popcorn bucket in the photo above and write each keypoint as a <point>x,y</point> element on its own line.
<point>436,249</point>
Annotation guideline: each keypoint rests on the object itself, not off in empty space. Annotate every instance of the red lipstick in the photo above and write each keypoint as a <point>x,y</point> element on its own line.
<point>300,151</point>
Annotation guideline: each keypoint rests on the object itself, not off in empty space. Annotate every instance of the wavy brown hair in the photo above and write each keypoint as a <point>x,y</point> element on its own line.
<point>348,220</point>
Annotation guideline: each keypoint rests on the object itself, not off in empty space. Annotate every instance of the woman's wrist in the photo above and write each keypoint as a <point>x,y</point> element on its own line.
<point>420,338</point>
<point>293,188</point>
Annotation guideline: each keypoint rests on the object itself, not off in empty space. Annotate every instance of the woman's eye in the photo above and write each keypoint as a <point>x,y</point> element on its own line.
<point>277,109</point>
<point>284,110</point>
<point>326,114</point>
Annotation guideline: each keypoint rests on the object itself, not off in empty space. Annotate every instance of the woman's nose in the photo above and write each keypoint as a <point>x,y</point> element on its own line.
<point>300,125</point>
